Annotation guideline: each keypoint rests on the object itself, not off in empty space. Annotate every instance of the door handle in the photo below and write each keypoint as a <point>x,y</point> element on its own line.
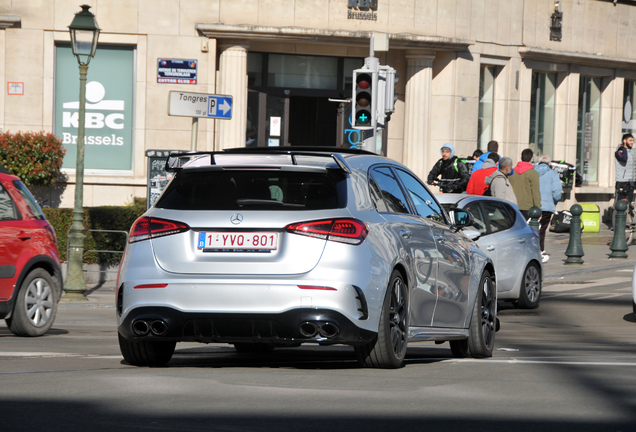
<point>522,240</point>
<point>406,234</point>
<point>24,236</point>
<point>490,248</point>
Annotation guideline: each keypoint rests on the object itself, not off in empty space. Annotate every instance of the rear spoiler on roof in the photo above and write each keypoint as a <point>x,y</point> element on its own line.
<point>176,160</point>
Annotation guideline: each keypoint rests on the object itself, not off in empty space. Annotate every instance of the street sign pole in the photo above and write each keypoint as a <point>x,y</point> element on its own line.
<point>199,105</point>
<point>195,133</point>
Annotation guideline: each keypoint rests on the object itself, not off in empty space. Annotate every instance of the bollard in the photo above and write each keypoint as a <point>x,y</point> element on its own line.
<point>619,244</point>
<point>574,251</point>
<point>535,214</point>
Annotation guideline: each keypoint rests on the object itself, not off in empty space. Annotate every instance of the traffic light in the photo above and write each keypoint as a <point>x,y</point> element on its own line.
<point>365,98</point>
<point>390,94</point>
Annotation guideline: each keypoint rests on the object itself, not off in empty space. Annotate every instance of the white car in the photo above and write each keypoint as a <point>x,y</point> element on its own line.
<point>266,247</point>
<point>634,293</point>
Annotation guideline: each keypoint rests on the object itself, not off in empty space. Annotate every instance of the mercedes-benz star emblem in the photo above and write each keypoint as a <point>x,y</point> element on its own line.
<point>236,218</point>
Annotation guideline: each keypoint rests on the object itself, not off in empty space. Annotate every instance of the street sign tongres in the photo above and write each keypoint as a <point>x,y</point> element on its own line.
<point>200,105</point>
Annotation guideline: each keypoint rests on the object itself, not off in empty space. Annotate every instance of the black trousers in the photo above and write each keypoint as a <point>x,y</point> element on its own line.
<point>546,216</point>
<point>625,190</point>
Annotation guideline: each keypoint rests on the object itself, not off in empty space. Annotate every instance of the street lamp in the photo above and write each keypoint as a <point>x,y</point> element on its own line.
<point>84,34</point>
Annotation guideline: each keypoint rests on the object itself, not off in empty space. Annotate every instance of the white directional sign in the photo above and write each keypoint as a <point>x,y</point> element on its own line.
<point>201,105</point>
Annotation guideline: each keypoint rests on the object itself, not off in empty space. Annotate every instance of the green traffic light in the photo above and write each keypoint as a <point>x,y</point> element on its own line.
<point>363,118</point>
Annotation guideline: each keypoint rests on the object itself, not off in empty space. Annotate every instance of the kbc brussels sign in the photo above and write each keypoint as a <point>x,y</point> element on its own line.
<point>109,108</point>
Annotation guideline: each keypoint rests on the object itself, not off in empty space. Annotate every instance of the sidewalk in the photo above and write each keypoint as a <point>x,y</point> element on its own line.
<point>595,247</point>
<point>596,250</point>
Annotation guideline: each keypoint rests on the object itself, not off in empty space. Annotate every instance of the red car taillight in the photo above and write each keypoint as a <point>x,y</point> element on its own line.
<point>350,231</point>
<point>146,228</point>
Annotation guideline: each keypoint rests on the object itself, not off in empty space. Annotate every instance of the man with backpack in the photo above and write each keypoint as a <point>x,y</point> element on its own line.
<point>525,182</point>
<point>453,171</point>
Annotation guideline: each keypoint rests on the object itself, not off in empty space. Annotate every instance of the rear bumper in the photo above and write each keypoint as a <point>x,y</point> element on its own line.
<point>281,328</point>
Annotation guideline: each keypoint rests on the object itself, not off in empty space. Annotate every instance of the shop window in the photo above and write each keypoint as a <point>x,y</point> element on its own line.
<point>255,69</point>
<point>350,64</point>
<point>629,108</point>
<point>486,105</point>
<point>589,121</point>
<point>295,71</point>
<point>542,112</point>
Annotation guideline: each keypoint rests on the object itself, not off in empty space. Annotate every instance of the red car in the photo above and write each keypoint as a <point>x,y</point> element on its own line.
<point>30,274</point>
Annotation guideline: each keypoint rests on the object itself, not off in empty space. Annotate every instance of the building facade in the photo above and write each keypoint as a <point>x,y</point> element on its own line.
<point>556,76</point>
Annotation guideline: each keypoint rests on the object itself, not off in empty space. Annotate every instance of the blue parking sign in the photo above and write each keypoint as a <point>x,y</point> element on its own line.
<point>220,107</point>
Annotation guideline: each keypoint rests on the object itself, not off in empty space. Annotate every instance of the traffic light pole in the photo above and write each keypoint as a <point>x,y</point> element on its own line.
<point>373,97</point>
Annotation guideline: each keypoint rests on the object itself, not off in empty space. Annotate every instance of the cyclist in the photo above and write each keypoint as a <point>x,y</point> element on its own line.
<point>450,168</point>
<point>625,162</point>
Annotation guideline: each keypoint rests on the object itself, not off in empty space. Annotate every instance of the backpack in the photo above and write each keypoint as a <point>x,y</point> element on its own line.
<point>487,191</point>
<point>561,222</point>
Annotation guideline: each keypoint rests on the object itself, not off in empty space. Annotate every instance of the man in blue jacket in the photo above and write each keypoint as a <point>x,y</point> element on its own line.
<point>550,188</point>
<point>493,146</point>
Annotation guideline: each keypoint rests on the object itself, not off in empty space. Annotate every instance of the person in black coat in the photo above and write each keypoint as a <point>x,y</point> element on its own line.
<point>450,168</point>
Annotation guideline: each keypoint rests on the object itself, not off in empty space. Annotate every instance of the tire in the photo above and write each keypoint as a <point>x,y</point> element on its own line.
<point>35,306</point>
<point>530,292</point>
<point>146,353</point>
<point>629,228</point>
<point>459,348</point>
<point>246,347</point>
<point>388,349</point>
<point>481,338</point>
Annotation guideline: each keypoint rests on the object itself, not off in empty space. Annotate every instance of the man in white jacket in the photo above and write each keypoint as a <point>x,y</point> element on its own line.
<point>499,184</point>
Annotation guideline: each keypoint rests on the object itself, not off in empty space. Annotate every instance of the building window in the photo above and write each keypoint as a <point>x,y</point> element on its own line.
<point>629,108</point>
<point>486,105</point>
<point>542,110</point>
<point>589,120</point>
<point>296,71</point>
<point>255,69</point>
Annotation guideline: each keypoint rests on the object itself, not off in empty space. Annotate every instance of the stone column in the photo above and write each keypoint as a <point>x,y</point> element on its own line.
<point>233,82</point>
<point>417,112</point>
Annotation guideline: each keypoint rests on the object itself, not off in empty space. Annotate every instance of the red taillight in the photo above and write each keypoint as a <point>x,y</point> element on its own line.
<point>350,231</point>
<point>150,286</point>
<point>319,288</point>
<point>146,228</point>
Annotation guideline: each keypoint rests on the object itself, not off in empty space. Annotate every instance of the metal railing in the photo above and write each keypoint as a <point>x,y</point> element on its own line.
<point>97,250</point>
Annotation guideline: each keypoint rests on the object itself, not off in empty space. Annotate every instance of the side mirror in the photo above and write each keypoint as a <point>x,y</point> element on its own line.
<point>461,218</point>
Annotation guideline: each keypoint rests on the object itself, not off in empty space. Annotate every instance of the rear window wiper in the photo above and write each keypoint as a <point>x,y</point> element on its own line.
<point>264,202</point>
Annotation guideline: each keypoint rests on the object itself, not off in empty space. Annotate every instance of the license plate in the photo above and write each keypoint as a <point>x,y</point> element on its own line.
<point>214,241</point>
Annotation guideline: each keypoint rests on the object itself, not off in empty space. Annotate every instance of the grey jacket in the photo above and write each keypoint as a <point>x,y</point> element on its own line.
<point>625,164</point>
<point>500,187</point>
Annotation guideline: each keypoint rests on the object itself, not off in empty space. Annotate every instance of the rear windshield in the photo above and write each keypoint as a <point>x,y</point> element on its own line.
<point>251,190</point>
<point>28,198</point>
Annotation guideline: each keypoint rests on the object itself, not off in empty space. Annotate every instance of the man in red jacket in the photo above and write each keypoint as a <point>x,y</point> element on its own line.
<point>476,185</point>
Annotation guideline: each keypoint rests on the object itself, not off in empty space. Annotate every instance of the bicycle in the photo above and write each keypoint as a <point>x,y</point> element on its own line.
<point>447,185</point>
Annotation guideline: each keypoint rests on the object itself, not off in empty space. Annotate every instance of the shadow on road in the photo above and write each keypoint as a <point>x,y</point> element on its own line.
<point>65,416</point>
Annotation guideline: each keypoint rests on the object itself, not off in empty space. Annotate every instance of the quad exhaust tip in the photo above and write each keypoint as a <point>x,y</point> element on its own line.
<point>140,327</point>
<point>329,330</point>
<point>310,329</point>
<point>156,327</point>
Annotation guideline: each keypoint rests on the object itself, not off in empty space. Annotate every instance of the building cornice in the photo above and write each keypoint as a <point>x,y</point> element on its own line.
<point>7,21</point>
<point>328,36</point>
<point>578,58</point>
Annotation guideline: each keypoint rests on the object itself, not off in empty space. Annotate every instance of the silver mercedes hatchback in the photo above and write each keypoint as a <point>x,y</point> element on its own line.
<point>276,247</point>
